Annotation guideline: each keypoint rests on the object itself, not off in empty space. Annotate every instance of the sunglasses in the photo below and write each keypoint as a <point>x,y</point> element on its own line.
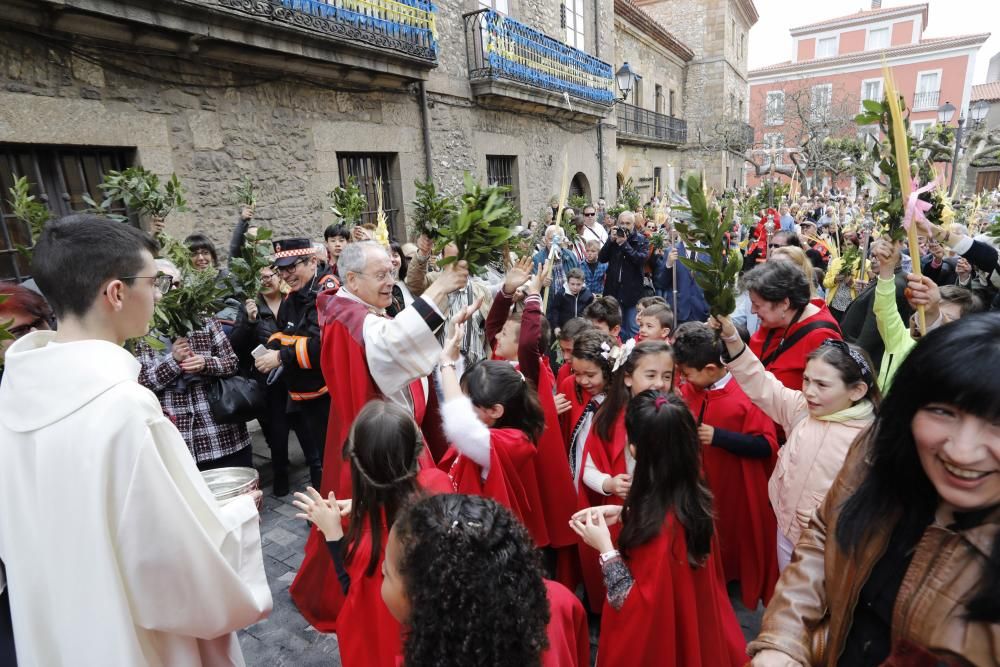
<point>17,332</point>
<point>589,215</point>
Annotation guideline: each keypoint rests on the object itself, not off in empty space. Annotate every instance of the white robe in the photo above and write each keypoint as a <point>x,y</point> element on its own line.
<point>116,552</point>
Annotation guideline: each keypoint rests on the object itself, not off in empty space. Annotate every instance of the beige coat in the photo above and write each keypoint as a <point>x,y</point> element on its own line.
<point>813,454</point>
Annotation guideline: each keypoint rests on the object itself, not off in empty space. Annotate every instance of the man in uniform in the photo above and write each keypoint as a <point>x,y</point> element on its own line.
<point>295,350</point>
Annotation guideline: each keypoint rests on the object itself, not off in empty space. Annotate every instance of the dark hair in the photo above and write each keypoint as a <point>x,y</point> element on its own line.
<point>77,254</point>
<point>647,301</point>
<point>697,346</point>
<point>966,301</point>
<point>618,393</point>
<point>575,272</point>
<point>489,383</point>
<point>337,230</point>
<point>852,363</point>
<point>790,236</point>
<point>590,346</point>
<point>667,476</point>
<point>776,281</point>
<point>20,299</point>
<point>383,447</point>
<point>574,328</point>
<point>661,312</point>
<point>946,366</point>
<point>604,309</point>
<point>196,242</point>
<point>474,582</point>
<point>404,261</point>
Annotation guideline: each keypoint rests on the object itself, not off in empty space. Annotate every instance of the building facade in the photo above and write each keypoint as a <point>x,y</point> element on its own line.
<point>984,167</point>
<point>837,64</point>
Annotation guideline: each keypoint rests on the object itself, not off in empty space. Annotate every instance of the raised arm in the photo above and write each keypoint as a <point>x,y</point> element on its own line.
<point>465,432</point>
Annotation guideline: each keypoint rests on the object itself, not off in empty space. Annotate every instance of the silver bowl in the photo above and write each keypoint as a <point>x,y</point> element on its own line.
<point>229,483</point>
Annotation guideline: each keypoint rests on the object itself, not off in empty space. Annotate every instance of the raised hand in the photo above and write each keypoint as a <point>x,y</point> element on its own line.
<point>592,527</point>
<point>517,275</point>
<point>325,514</point>
<point>453,346</point>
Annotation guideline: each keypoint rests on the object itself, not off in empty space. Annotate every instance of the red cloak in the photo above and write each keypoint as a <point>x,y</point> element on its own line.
<point>552,467</point>
<point>569,636</point>
<point>315,590</point>
<point>791,363</point>
<point>569,418</point>
<point>367,633</point>
<point>745,522</point>
<point>511,480</point>
<point>674,616</point>
<point>565,371</point>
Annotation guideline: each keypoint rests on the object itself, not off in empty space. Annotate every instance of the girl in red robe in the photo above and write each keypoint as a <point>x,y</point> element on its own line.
<point>666,604</point>
<point>493,420</point>
<point>462,575</point>
<point>383,448</point>
<point>739,448</point>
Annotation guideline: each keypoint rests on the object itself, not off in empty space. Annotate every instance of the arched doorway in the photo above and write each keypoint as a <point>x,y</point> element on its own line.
<point>580,186</point>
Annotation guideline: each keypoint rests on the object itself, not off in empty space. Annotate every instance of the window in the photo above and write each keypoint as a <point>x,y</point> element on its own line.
<point>59,176</point>
<point>774,112</point>
<point>502,170</point>
<point>868,134</point>
<point>878,38</point>
<point>741,52</point>
<point>917,128</point>
<point>826,47</point>
<point>637,91</point>
<point>501,6</point>
<point>774,140</point>
<point>670,105</point>
<point>371,170</point>
<point>928,91</point>
<point>871,89</point>
<point>573,12</point>
<point>819,101</point>
<point>659,99</point>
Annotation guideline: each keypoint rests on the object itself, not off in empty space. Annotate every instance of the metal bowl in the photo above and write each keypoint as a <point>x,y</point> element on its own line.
<point>229,483</point>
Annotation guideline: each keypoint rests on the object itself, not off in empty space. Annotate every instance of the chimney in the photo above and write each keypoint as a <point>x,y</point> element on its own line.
<point>876,4</point>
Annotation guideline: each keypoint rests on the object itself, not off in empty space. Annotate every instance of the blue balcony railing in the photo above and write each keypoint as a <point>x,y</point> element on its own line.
<point>498,47</point>
<point>405,26</point>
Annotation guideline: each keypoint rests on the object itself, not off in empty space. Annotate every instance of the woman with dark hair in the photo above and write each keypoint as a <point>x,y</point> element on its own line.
<point>901,562</point>
<point>205,257</point>
<point>23,311</point>
<point>792,322</point>
<point>667,604</point>
<point>384,448</point>
<point>401,296</point>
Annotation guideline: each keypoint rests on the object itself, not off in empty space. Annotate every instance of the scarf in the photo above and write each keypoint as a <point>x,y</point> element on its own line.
<point>862,410</point>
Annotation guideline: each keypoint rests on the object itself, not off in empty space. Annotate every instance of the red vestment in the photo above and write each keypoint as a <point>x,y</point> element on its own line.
<point>315,589</point>
<point>565,371</point>
<point>511,479</point>
<point>552,467</point>
<point>745,522</point>
<point>790,364</point>
<point>569,636</point>
<point>674,616</point>
<point>367,634</point>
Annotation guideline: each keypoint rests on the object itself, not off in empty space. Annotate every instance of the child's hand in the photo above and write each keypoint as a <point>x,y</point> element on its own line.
<point>563,404</point>
<point>466,313</point>
<point>617,485</point>
<point>611,513</point>
<point>517,275</point>
<point>592,527</point>
<point>324,514</point>
<point>887,254</point>
<point>705,434</point>
<point>534,285</point>
<point>452,346</point>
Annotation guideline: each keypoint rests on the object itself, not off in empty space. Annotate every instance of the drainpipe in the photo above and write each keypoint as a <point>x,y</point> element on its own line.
<point>600,132</point>
<point>425,126</point>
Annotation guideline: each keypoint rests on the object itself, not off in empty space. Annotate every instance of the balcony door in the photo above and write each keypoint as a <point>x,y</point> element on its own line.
<point>928,90</point>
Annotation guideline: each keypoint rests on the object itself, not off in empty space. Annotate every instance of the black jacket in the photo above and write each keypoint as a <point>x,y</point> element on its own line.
<point>625,268</point>
<point>566,306</point>
<point>247,335</point>
<point>859,325</point>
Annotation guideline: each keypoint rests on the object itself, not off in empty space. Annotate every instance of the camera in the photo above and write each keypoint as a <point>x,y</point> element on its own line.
<point>621,232</point>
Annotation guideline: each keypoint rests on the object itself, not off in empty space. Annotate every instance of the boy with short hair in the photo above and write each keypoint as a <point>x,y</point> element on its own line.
<point>739,446</point>
<point>567,334</point>
<point>593,270</point>
<point>572,301</point>
<point>655,322</point>
<point>605,314</point>
<point>335,238</point>
<point>644,303</point>
<point>135,562</point>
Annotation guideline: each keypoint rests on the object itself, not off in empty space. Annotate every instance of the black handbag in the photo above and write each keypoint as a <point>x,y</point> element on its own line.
<point>236,399</point>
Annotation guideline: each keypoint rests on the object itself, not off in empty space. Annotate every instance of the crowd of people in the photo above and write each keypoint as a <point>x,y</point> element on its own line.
<point>503,465</point>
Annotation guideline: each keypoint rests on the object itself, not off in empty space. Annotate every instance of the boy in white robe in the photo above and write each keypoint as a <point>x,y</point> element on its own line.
<point>116,553</point>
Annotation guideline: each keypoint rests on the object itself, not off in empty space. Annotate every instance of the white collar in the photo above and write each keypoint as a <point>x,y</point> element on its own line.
<point>347,294</point>
<point>723,381</point>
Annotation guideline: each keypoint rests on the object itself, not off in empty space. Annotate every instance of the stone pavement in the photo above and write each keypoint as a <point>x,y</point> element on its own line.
<point>285,638</point>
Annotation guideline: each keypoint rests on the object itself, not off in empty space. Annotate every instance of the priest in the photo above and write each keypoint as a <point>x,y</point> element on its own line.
<point>366,355</point>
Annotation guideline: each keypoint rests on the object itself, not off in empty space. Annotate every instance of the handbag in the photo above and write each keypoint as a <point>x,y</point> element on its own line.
<point>235,399</point>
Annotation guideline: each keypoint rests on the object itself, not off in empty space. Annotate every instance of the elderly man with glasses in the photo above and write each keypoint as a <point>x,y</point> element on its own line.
<point>294,350</point>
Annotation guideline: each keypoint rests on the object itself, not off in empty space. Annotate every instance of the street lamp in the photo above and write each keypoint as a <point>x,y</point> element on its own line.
<point>945,113</point>
<point>978,111</point>
<point>625,79</point>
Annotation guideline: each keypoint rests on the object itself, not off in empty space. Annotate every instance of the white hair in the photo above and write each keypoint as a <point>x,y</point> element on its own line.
<point>356,255</point>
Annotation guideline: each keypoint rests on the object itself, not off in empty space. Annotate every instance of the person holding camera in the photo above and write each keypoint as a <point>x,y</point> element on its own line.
<point>625,252</point>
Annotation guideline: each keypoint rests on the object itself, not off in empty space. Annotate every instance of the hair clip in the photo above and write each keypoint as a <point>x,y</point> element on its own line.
<point>660,402</point>
<point>621,354</point>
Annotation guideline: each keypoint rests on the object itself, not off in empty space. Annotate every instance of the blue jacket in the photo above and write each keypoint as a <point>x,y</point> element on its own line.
<point>594,277</point>
<point>691,304</point>
<point>625,268</point>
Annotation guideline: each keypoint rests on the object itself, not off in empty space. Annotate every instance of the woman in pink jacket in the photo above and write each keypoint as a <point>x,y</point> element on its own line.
<point>838,401</point>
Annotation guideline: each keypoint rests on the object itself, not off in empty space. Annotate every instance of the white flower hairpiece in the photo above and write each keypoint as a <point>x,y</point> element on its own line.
<point>605,350</point>
<point>621,354</point>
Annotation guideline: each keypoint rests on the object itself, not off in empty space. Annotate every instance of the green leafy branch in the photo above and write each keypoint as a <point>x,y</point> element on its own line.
<point>480,227</point>
<point>706,229</point>
<point>187,307</point>
<point>246,193</point>
<point>431,209</point>
<point>28,210</point>
<point>245,269</point>
<point>142,192</point>
<point>348,203</point>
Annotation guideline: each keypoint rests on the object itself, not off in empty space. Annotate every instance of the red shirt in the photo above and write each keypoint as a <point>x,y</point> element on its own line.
<point>789,365</point>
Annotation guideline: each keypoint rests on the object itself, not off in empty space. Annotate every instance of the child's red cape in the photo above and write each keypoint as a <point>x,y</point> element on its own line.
<point>674,616</point>
<point>552,467</point>
<point>367,634</point>
<point>569,636</point>
<point>511,480</point>
<point>745,522</point>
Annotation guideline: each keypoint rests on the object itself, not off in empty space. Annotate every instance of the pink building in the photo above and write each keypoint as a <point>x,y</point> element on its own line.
<point>838,63</point>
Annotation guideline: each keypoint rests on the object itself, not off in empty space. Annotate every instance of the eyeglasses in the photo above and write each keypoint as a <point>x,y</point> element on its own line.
<point>285,270</point>
<point>381,276</point>
<point>268,276</point>
<point>775,245</point>
<point>17,332</point>
<point>162,282</point>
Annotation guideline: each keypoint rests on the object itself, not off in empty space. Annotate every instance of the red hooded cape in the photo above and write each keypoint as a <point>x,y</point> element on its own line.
<point>552,467</point>
<point>745,522</point>
<point>511,480</point>
<point>674,616</point>
<point>791,363</point>
<point>367,633</point>
<point>569,636</point>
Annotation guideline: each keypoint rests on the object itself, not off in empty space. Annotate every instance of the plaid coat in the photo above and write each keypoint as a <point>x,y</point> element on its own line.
<point>184,397</point>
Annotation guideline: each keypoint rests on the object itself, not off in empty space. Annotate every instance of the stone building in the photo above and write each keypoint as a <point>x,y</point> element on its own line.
<point>300,94</point>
